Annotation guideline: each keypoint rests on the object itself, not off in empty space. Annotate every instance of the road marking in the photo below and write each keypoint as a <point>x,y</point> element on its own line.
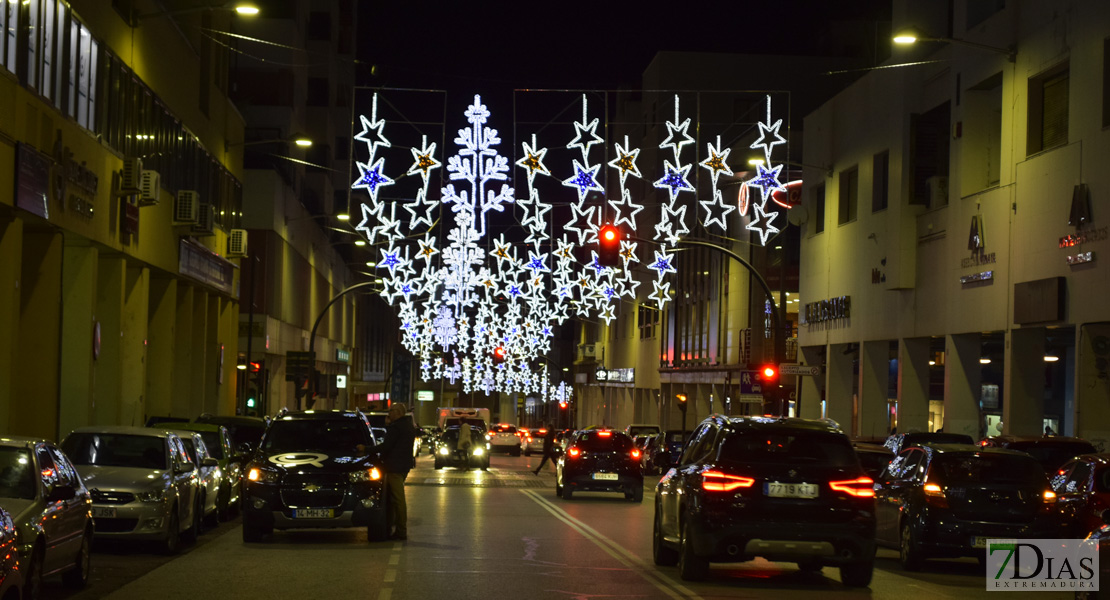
<point>660,580</point>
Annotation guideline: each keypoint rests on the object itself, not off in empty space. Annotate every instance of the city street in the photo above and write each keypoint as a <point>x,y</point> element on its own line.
<point>484,534</point>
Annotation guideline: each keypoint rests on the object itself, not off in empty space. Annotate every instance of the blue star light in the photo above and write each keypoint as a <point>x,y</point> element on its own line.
<point>390,260</point>
<point>767,181</point>
<point>675,179</point>
<point>371,177</point>
<point>662,263</point>
<point>585,179</point>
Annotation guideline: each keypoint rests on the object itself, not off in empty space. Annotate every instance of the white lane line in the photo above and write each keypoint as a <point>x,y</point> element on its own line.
<point>662,582</point>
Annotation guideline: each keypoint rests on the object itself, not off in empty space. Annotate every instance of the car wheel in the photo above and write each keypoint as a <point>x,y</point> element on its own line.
<point>78,576</point>
<point>193,532</point>
<point>810,566</point>
<point>909,551</point>
<point>377,530</point>
<point>32,581</point>
<point>691,567</point>
<point>567,492</point>
<point>485,464</point>
<point>858,573</point>
<point>662,554</point>
<point>439,464</point>
<point>527,453</point>
<point>212,520</point>
<point>172,544</point>
<point>637,494</point>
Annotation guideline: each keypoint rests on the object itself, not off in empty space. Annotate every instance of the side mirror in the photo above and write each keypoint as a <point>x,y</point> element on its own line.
<point>244,449</point>
<point>210,462</point>
<point>184,468</point>
<point>61,493</point>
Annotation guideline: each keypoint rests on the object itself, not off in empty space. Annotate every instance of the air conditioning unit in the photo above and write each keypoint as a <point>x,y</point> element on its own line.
<point>186,208</point>
<point>237,243</point>
<point>131,178</point>
<point>587,350</point>
<point>206,220</point>
<point>150,189</point>
<point>938,190</point>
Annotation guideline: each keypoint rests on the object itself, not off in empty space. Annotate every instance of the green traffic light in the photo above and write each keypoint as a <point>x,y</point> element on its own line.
<point>250,402</point>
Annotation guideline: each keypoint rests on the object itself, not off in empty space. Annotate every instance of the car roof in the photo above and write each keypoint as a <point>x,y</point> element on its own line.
<point>780,423</point>
<point>197,427</point>
<point>971,449</point>
<point>22,441</point>
<point>126,430</point>
<point>870,447</point>
<point>237,420</point>
<point>321,415</point>
<point>1037,439</point>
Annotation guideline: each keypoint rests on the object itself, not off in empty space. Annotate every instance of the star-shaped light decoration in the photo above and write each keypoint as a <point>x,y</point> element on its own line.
<point>582,221</point>
<point>673,130</point>
<point>585,134</point>
<point>768,134</point>
<point>423,162</point>
<point>717,161</point>
<point>533,160</point>
<point>371,177</point>
<point>420,210</point>
<point>767,180</point>
<point>427,249</point>
<point>371,132</point>
<point>537,262</point>
<point>625,162</point>
<point>628,251</point>
<point>391,259</point>
<point>661,293</point>
<point>584,179</point>
<point>628,284</point>
<point>674,179</point>
<point>628,215</point>
<point>672,224</point>
<point>607,314</point>
<point>369,215</point>
<point>761,223</point>
<point>662,264</point>
<point>716,211</point>
<point>503,251</point>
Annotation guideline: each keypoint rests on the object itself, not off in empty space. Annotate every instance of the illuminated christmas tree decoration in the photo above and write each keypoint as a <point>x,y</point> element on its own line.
<point>423,162</point>
<point>761,223</point>
<point>716,210</point>
<point>675,179</point>
<point>584,179</point>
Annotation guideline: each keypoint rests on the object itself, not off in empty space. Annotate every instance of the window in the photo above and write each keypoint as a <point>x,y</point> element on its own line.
<point>819,208</point>
<point>849,196</point>
<point>1048,110</point>
<point>982,136</point>
<point>880,182</point>
<point>979,10</point>
<point>930,136</point>
<point>648,321</point>
<point>317,91</point>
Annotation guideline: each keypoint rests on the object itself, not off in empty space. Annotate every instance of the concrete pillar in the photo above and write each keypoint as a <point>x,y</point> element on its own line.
<point>211,368</point>
<point>227,349</point>
<point>35,373</point>
<point>874,383</point>
<point>913,384</point>
<point>79,293</point>
<point>1024,374</point>
<point>133,346</point>
<point>11,248</point>
<point>161,345</point>
<point>810,388</point>
<point>962,384</point>
<point>181,403</point>
<point>198,350</point>
<point>840,405</point>
<point>108,371</point>
<point>1092,394</point>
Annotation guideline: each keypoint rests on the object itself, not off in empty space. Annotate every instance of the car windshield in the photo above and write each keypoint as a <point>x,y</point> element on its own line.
<point>116,450</point>
<point>966,468</point>
<point>874,462</point>
<point>16,473</point>
<point>212,442</point>
<point>240,433</point>
<point>328,436</point>
<point>811,448</point>
<point>594,441</point>
<point>637,431</point>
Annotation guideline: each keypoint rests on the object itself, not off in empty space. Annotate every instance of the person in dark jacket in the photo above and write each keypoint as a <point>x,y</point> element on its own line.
<point>398,460</point>
<point>548,448</point>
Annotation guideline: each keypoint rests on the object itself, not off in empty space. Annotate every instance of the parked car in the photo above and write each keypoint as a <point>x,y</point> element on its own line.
<point>532,440</point>
<point>448,453</point>
<point>667,449</point>
<point>11,574</point>
<point>783,489</point>
<point>647,454</point>
<point>900,441</point>
<point>209,476</point>
<point>503,437</point>
<point>218,442</point>
<point>600,460</point>
<point>308,474</point>
<point>1101,535</point>
<point>143,485</point>
<point>427,439</point>
<point>48,503</point>
<point>873,457</point>
<point>1050,451</point>
<point>1082,486</point>
<point>946,500</point>
<point>245,431</point>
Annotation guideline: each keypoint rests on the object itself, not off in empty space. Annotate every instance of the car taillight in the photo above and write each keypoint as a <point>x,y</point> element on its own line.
<point>984,443</point>
<point>1049,497</point>
<point>934,495</point>
<point>635,454</point>
<point>604,433</point>
<point>864,487</point>
<point>716,481</point>
<point>574,452</point>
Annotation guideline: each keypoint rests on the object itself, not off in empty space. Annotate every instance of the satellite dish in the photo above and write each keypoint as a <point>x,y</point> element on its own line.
<point>797,215</point>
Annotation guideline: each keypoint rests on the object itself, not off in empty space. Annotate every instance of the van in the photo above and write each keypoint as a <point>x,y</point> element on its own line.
<point>637,429</point>
<point>448,415</point>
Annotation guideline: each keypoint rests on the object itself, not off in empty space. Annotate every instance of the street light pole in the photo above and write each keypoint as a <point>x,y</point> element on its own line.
<point>309,398</point>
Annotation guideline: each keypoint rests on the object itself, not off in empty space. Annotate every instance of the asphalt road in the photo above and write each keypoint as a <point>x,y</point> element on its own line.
<point>496,534</point>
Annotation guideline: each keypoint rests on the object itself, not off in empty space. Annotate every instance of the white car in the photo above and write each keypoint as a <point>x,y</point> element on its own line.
<point>504,437</point>
<point>208,472</point>
<point>533,440</point>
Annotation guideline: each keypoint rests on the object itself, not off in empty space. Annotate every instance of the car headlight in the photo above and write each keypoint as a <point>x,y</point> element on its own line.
<point>478,451</point>
<point>260,475</point>
<point>371,474</point>
<point>444,451</point>
<point>152,495</point>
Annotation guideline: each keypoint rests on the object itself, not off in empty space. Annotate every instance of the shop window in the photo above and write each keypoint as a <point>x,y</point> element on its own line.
<point>1048,110</point>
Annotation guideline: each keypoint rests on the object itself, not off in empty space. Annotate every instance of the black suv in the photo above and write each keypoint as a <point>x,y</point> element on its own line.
<point>308,472</point>
<point>600,460</point>
<point>778,488</point>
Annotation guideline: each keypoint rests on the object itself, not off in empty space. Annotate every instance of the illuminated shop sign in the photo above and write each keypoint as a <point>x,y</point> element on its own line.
<point>977,242</point>
<point>616,375</point>
<point>1079,217</point>
<point>984,276</point>
<point>1082,257</point>
<point>829,310</point>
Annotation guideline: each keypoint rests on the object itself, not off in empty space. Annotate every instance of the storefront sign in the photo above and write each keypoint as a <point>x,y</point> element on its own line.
<point>75,185</point>
<point>200,263</point>
<point>1082,257</point>
<point>425,396</point>
<point>342,355</point>
<point>983,276</point>
<point>32,176</point>
<point>1084,237</point>
<point>616,375</point>
<point>829,310</point>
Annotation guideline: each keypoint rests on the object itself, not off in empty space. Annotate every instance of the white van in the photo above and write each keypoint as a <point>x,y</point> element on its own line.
<point>638,429</point>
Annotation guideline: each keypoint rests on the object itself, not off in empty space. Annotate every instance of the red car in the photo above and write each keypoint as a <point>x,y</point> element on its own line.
<point>1082,486</point>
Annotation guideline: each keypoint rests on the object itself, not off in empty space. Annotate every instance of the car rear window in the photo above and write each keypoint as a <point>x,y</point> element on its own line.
<point>116,450</point>
<point>593,441</point>
<point>643,430</point>
<point>936,438</point>
<point>960,469</point>
<point>811,448</point>
<point>338,437</point>
<point>212,442</point>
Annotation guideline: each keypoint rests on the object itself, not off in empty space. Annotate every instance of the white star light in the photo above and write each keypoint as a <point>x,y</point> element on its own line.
<point>421,203</point>
<point>674,129</point>
<point>533,160</point>
<point>423,163</point>
<point>761,223</point>
<point>661,292</point>
<point>585,135</point>
<point>716,210</point>
<point>768,134</point>
<point>625,162</point>
<point>628,215</point>
<point>369,215</point>
<point>717,162</point>
<point>585,215</point>
<point>371,132</point>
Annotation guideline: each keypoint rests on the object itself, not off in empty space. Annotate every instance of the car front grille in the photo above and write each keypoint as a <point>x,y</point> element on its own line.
<point>102,525</point>
<point>100,497</point>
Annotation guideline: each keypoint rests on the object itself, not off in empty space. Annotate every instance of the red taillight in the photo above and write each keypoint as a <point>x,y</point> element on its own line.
<point>1049,497</point>
<point>864,487</point>
<point>635,454</point>
<point>716,481</point>
<point>984,443</point>
<point>574,452</point>
<point>604,433</point>
<point>934,495</point>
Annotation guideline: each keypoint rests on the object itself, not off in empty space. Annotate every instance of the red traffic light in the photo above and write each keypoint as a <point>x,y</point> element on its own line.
<point>769,372</point>
<point>609,234</point>
<point>499,352</point>
<point>609,245</point>
<point>563,405</point>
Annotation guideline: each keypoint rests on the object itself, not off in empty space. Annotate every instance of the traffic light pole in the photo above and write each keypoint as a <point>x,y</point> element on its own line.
<point>310,396</point>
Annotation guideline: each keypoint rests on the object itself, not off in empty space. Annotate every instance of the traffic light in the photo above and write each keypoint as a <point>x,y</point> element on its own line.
<point>609,246</point>
<point>498,355</point>
<point>769,375</point>
<point>681,402</point>
<point>256,384</point>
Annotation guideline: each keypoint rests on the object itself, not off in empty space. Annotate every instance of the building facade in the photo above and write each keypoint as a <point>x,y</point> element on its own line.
<point>950,252</point>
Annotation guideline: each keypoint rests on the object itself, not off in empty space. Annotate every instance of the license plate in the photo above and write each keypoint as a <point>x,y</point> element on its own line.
<point>107,513</point>
<point>775,489</point>
<point>606,476</point>
<point>313,513</point>
<point>979,542</point>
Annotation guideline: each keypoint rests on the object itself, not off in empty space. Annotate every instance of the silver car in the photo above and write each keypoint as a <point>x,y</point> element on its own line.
<point>208,474</point>
<point>143,485</point>
<point>50,507</point>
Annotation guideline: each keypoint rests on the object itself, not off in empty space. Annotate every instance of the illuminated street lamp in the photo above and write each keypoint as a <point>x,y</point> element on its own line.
<point>243,9</point>
<point>909,36</point>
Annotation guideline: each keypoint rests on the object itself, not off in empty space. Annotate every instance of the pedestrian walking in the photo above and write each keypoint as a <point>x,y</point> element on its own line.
<point>397,459</point>
<point>548,448</point>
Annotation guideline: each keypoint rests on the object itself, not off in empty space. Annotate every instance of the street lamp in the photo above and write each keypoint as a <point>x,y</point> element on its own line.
<point>244,9</point>
<point>911,36</point>
<point>301,140</point>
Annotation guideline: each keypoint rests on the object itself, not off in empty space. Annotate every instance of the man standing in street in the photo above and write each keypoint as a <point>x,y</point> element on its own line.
<point>548,448</point>
<point>397,458</point>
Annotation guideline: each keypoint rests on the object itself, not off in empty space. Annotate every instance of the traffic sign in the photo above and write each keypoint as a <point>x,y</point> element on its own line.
<point>796,369</point>
<point>298,364</point>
